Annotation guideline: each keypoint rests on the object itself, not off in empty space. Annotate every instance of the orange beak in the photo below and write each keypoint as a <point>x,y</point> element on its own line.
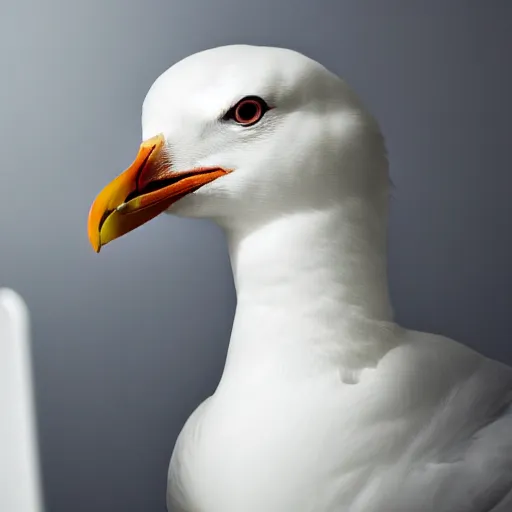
<point>147,188</point>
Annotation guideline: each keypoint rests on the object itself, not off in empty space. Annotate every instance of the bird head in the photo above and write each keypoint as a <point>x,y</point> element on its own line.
<point>238,134</point>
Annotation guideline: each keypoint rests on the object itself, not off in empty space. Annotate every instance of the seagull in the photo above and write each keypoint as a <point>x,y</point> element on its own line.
<point>326,403</point>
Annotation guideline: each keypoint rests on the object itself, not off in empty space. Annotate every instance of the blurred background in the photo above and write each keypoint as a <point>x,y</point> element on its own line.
<point>126,344</point>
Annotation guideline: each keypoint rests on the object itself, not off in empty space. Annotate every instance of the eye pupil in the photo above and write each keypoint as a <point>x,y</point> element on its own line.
<point>247,111</point>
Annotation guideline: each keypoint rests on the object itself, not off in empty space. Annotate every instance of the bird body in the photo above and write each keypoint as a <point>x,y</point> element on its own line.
<point>433,438</point>
<point>323,408</point>
<point>325,404</point>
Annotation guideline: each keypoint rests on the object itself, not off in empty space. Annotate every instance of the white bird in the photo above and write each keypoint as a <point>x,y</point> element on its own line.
<point>325,403</point>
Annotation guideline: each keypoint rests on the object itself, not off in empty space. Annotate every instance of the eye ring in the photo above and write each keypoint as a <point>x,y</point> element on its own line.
<point>248,111</point>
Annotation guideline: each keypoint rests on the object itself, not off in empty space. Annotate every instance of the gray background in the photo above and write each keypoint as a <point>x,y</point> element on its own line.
<point>126,344</point>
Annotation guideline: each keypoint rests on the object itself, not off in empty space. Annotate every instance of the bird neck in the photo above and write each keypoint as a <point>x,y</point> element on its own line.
<point>312,292</point>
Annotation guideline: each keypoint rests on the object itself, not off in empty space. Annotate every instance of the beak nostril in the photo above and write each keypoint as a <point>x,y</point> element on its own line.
<point>141,169</point>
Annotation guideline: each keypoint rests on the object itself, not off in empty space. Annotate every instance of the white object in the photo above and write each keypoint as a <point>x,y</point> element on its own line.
<point>325,403</point>
<point>20,489</point>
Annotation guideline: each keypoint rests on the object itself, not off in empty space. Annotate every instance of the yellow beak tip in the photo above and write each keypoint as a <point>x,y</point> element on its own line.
<point>95,240</point>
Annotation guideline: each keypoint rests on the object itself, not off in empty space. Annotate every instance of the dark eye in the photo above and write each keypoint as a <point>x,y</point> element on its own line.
<point>247,111</point>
